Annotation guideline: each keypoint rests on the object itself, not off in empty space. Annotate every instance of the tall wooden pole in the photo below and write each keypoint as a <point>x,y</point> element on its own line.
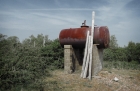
<point>91,46</point>
<point>85,54</point>
<point>87,61</point>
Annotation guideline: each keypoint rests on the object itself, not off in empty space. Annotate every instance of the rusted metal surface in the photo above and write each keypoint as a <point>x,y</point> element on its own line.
<point>77,36</point>
<point>101,37</point>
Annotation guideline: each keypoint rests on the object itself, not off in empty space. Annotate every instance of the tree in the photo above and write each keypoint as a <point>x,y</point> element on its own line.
<point>39,41</point>
<point>54,54</point>
<point>21,66</point>
<point>133,51</point>
<point>110,54</point>
<point>130,51</point>
<point>137,52</point>
<point>5,62</point>
<point>113,42</point>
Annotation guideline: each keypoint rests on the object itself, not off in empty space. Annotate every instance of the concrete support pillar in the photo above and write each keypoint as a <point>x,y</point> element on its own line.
<point>68,64</point>
<point>73,59</point>
<point>97,63</point>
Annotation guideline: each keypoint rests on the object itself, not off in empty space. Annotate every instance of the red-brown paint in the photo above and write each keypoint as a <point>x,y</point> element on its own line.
<point>77,36</point>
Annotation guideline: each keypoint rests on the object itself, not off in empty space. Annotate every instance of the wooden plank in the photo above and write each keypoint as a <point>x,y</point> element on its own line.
<point>92,28</point>
<point>87,60</point>
<point>86,67</point>
<point>91,46</point>
<point>85,54</point>
<point>90,66</point>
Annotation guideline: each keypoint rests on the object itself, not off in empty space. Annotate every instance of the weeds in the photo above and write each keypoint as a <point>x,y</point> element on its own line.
<point>121,65</point>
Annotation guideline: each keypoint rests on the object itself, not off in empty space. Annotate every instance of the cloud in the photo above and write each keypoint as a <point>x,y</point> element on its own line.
<point>120,21</point>
<point>59,9</point>
<point>36,22</point>
<point>48,17</point>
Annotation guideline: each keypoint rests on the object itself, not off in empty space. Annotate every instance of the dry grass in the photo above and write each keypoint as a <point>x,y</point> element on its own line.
<point>129,80</point>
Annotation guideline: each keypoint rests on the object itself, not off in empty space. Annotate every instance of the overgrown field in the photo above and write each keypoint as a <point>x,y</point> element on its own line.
<point>128,81</point>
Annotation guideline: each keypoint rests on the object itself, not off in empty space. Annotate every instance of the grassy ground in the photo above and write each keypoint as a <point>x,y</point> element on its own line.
<point>129,80</point>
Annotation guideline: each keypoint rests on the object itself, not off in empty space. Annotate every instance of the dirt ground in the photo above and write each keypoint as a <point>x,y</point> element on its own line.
<point>129,80</point>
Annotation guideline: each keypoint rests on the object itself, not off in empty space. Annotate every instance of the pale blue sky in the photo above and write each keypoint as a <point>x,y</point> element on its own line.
<point>23,18</point>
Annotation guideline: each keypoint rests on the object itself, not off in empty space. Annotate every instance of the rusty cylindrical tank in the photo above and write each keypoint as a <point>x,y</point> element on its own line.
<point>77,36</point>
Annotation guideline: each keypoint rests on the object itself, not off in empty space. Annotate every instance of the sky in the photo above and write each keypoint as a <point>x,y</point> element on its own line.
<point>23,18</point>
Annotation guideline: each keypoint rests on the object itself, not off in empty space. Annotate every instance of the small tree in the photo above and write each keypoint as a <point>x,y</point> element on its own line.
<point>133,51</point>
<point>54,54</point>
<point>110,54</point>
<point>113,42</point>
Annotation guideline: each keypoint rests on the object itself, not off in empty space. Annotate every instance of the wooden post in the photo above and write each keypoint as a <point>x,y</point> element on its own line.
<point>87,62</point>
<point>92,33</point>
<point>44,41</point>
<point>85,54</point>
<point>34,43</point>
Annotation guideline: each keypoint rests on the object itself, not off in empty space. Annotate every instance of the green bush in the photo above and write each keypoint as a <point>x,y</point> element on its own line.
<point>121,65</point>
<point>23,66</point>
<point>122,57</point>
<point>54,55</point>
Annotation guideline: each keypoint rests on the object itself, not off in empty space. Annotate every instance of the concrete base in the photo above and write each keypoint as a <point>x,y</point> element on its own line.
<point>68,64</point>
<point>73,59</point>
<point>97,63</point>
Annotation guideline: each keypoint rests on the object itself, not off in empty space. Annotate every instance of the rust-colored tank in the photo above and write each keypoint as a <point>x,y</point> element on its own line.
<point>77,36</point>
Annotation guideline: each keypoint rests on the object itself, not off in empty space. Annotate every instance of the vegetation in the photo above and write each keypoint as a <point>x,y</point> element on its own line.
<point>122,57</point>
<point>25,65</point>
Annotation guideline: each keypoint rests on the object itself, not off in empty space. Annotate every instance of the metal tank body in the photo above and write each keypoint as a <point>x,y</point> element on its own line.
<point>77,36</point>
